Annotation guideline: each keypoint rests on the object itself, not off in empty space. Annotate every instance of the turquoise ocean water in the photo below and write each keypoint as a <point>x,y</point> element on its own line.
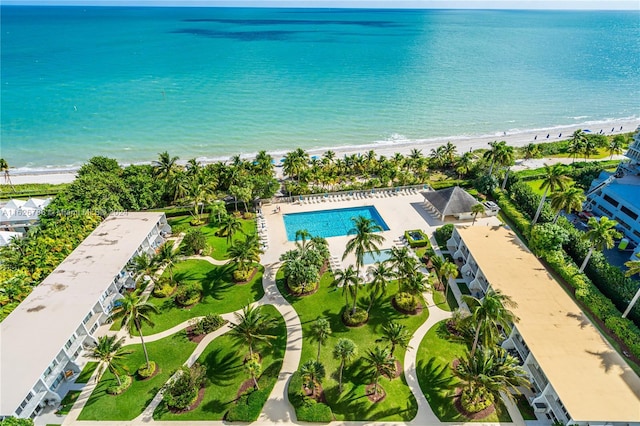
<point>214,82</point>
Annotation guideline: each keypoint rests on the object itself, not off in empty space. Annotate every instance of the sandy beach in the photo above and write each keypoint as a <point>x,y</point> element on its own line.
<point>388,149</point>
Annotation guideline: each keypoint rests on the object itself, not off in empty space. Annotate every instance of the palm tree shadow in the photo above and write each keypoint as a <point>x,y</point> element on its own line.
<point>222,367</point>
<point>218,282</point>
<point>436,378</point>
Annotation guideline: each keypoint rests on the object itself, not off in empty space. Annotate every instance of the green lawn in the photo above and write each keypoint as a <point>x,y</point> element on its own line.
<point>353,404</point>
<point>217,245</point>
<point>86,372</point>
<point>438,299</point>
<point>535,186</point>
<point>220,294</point>
<point>169,353</point>
<point>67,402</point>
<point>435,355</point>
<point>223,358</point>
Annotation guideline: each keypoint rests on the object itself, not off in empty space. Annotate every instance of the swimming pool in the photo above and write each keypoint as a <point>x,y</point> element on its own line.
<point>329,223</point>
<point>371,257</point>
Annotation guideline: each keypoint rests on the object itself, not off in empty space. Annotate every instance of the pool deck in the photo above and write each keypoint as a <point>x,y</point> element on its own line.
<point>400,212</point>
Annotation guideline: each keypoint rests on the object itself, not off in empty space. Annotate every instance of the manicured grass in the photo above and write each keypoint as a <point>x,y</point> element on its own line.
<point>67,402</point>
<point>438,299</point>
<point>535,186</point>
<point>217,245</point>
<point>353,404</point>
<point>169,353</point>
<point>224,361</point>
<point>220,294</point>
<point>434,358</point>
<point>526,410</point>
<point>86,372</point>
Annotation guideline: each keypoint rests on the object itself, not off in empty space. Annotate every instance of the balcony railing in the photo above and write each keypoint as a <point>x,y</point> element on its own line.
<point>539,378</point>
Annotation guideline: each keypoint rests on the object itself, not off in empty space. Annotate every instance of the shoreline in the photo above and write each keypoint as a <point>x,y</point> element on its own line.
<point>463,144</point>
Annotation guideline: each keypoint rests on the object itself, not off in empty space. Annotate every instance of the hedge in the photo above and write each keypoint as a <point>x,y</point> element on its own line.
<point>307,409</point>
<point>248,407</point>
<point>508,208</point>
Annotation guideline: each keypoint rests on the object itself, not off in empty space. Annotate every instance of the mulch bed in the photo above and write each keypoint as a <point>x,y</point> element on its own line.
<point>372,396</point>
<point>472,416</point>
<point>248,280</point>
<point>417,311</point>
<point>306,293</point>
<point>316,394</point>
<point>193,406</point>
<point>245,386</point>
<point>155,373</point>
<point>195,338</point>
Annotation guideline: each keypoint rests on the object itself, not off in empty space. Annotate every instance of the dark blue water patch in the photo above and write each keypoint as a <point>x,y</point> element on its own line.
<point>259,22</point>
<point>280,35</point>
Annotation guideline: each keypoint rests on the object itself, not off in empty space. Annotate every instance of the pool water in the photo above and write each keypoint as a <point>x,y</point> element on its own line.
<point>329,223</point>
<point>371,257</point>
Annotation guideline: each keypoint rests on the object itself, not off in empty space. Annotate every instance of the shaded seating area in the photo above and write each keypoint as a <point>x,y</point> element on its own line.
<point>453,201</point>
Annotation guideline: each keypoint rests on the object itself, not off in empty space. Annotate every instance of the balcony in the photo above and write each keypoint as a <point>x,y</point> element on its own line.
<point>540,379</point>
<point>521,348</point>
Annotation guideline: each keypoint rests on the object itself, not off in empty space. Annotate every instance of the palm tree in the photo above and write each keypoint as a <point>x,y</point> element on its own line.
<point>254,368</point>
<point>345,350</point>
<point>347,279</point>
<point>4,168</point>
<point>167,257</point>
<point>488,315</point>
<point>144,265</point>
<point>312,373</point>
<point>449,152</point>
<point>506,158</point>
<point>320,332</point>
<point>497,154</point>
<point>229,226</point>
<point>251,326</point>
<point>381,362</point>
<point>165,165</point>
<point>577,143</point>
<point>601,234</point>
<point>381,274</point>
<point>569,200</point>
<point>395,334</point>
<point>554,179</point>
<point>489,373</point>
<point>243,252</point>
<point>109,353</point>
<point>476,209</point>
<point>134,312</point>
<point>295,162</point>
<point>617,144</point>
<point>589,148</point>
<point>530,151</point>
<point>634,268</point>
<point>404,264</point>
<point>364,240</point>
<point>464,164</point>
<point>448,270</point>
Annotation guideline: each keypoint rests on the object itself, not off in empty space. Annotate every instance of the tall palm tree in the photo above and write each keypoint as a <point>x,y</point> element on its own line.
<point>251,326</point>
<point>476,209</point>
<point>4,168</point>
<point>110,354</point>
<point>167,257</point>
<point>295,162</point>
<point>345,350</point>
<point>134,312</point>
<point>616,145</point>
<point>554,179</point>
<point>144,266</point>
<point>320,332</point>
<point>229,226</point>
<point>165,165</point>
<point>601,235</point>
<point>589,148</point>
<point>395,334</point>
<point>364,240</point>
<point>569,200</point>
<point>381,362</point>
<point>449,271</point>
<point>382,275</point>
<point>243,252</point>
<point>489,315</point>
<point>489,373</point>
<point>506,158</point>
<point>496,154</point>
<point>633,269</point>
<point>577,143</point>
<point>449,153</point>
<point>403,262</point>
<point>530,151</point>
<point>349,280</point>
<point>263,163</point>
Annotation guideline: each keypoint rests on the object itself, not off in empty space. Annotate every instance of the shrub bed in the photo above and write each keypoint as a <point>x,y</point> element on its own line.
<point>423,241</point>
<point>144,372</point>
<point>443,233</point>
<point>163,289</point>
<point>247,408</point>
<point>188,294</point>
<point>359,317</point>
<point>307,409</point>
<point>207,324</point>
<point>406,302</point>
<point>118,389</point>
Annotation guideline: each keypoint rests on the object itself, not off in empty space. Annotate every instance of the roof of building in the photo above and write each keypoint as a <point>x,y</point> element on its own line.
<point>625,190</point>
<point>35,332</point>
<point>22,211</point>
<point>451,201</point>
<point>592,380</point>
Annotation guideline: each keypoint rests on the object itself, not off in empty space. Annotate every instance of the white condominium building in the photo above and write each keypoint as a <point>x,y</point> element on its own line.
<point>577,377</point>
<point>43,337</point>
